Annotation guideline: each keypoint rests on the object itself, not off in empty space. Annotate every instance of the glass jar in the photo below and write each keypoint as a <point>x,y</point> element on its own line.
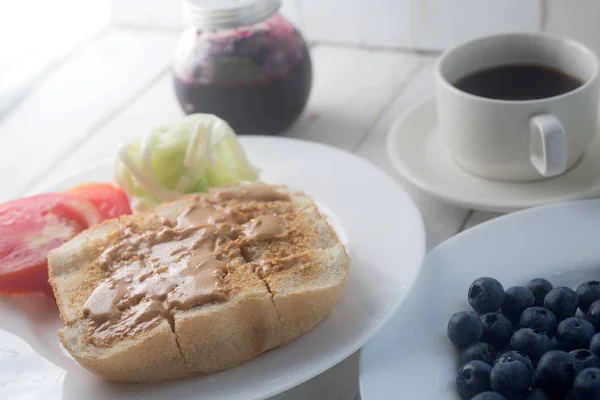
<point>244,62</point>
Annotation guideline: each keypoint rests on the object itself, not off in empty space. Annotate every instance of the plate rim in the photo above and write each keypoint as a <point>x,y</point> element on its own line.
<point>490,206</point>
<point>409,202</point>
<point>501,219</point>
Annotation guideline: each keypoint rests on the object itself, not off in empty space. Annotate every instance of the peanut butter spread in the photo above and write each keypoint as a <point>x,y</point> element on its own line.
<point>151,274</point>
<point>250,192</point>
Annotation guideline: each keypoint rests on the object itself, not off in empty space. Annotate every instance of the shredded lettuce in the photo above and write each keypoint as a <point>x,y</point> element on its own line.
<point>199,152</point>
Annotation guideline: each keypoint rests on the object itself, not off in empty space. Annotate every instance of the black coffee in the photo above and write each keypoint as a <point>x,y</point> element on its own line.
<point>518,82</point>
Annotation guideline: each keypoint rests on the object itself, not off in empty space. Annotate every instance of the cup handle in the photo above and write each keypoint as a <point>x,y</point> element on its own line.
<point>547,145</point>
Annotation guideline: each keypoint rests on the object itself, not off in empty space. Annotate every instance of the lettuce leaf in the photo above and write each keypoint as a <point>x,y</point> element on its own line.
<point>199,152</point>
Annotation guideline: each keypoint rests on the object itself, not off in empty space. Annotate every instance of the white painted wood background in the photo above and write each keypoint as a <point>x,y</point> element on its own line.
<point>115,83</point>
<point>424,25</point>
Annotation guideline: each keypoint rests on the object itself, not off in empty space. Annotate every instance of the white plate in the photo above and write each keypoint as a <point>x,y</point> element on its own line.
<point>416,152</point>
<point>412,355</point>
<point>385,239</point>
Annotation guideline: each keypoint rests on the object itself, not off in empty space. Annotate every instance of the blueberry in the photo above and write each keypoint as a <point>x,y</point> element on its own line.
<point>516,300</point>
<point>511,379</point>
<point>587,384</point>
<point>464,328</point>
<point>553,343</point>
<point>539,318</point>
<point>555,372</point>
<point>532,342</point>
<point>588,293</point>
<point>593,314</point>
<point>595,344</point>
<point>514,355</point>
<point>478,351</point>
<point>486,295</point>
<point>540,288</point>
<point>473,378</point>
<point>580,314</point>
<point>570,395</point>
<point>537,394</point>
<point>562,301</point>
<point>488,396</point>
<point>574,333</point>
<point>497,329</point>
<point>585,358</point>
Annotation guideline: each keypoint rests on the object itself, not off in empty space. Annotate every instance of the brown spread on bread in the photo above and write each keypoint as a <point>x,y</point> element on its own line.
<point>196,285</point>
<point>264,227</point>
<point>250,192</point>
<point>153,273</point>
<point>264,268</point>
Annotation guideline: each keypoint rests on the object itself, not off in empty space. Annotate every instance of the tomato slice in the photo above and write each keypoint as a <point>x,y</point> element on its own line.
<point>29,229</point>
<point>108,199</point>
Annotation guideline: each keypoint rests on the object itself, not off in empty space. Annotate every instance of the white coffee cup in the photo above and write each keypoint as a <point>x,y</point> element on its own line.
<point>517,140</point>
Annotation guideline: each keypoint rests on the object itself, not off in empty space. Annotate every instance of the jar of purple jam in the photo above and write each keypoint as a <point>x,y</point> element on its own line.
<point>244,62</point>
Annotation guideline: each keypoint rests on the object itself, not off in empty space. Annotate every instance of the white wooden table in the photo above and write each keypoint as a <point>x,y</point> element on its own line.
<point>119,85</point>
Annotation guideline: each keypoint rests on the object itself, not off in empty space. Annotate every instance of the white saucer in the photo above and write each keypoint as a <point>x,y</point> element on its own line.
<point>416,152</point>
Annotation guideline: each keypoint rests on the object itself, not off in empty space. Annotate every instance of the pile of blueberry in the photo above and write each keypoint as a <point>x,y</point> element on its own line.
<point>529,343</point>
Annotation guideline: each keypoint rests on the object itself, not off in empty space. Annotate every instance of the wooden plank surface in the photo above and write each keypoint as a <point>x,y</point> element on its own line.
<point>157,106</point>
<point>86,90</point>
<point>337,383</point>
<point>351,87</point>
<point>477,217</point>
<point>442,220</point>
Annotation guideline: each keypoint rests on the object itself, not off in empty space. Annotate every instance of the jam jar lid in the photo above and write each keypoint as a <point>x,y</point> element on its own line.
<point>227,14</point>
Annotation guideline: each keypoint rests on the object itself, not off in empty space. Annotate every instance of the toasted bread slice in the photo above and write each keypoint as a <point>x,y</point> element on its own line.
<point>277,288</point>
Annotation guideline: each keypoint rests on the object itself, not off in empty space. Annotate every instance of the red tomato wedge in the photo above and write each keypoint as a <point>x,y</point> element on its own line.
<point>108,199</point>
<point>29,229</point>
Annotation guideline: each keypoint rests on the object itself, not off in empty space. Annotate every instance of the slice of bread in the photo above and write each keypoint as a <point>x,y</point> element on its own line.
<point>277,288</point>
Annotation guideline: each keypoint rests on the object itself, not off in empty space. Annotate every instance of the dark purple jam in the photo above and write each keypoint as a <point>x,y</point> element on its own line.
<point>256,78</point>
